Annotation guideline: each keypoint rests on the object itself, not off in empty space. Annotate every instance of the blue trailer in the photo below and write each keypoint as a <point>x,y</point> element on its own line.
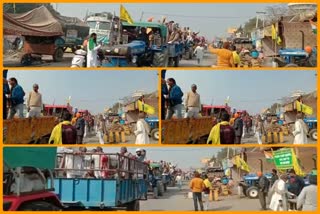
<point>154,127</point>
<point>121,184</point>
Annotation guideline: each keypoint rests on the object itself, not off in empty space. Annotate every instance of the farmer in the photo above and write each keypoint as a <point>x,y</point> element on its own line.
<point>199,52</point>
<point>300,131</point>
<point>192,103</point>
<point>15,99</point>
<point>225,56</point>
<point>92,51</point>
<point>197,186</point>
<point>174,99</point>
<point>34,102</point>
<point>263,190</point>
<point>142,131</point>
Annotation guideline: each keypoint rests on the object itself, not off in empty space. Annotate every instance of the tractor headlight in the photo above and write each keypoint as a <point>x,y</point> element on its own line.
<point>116,50</point>
<point>134,59</point>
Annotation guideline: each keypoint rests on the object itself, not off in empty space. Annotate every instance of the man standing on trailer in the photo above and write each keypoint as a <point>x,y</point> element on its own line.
<point>192,103</point>
<point>34,102</point>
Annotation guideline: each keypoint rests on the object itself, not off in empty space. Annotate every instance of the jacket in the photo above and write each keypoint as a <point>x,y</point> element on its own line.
<point>17,95</point>
<point>238,127</point>
<point>264,184</point>
<point>80,126</point>
<point>175,96</point>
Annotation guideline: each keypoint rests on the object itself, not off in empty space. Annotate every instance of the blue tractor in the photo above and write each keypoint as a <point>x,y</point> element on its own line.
<point>296,57</point>
<point>135,51</point>
<point>312,124</point>
<point>154,127</point>
<point>249,185</point>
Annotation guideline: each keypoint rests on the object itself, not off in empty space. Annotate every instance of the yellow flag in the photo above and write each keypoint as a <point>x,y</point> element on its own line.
<point>304,108</point>
<point>279,40</point>
<point>146,108</point>
<point>273,32</point>
<point>124,15</point>
<point>296,165</point>
<point>240,163</point>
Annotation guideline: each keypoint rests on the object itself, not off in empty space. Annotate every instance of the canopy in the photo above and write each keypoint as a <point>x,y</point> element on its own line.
<point>39,157</point>
<point>37,22</point>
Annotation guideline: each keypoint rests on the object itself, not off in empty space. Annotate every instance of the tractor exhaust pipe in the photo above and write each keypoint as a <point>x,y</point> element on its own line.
<point>302,38</point>
<point>261,165</point>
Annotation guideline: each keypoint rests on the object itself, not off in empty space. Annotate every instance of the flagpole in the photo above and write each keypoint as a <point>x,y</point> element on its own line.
<point>142,13</point>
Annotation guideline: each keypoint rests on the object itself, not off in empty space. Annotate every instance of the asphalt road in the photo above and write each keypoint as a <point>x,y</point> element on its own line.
<point>175,200</point>
<point>93,139</point>
<point>47,61</point>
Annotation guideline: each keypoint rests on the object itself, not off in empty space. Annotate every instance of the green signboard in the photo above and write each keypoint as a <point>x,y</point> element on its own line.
<point>283,158</point>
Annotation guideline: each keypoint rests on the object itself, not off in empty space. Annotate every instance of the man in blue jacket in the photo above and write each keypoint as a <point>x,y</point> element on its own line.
<point>174,99</point>
<point>15,99</point>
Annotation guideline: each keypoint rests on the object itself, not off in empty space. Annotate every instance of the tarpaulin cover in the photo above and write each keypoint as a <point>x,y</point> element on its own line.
<point>37,22</point>
<point>40,157</point>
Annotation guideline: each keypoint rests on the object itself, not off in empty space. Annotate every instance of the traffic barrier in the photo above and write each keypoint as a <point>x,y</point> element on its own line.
<point>27,130</point>
<point>182,131</point>
<point>273,137</point>
<point>115,137</point>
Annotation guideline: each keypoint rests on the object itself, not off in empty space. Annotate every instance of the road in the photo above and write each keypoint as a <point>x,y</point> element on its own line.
<point>93,139</point>
<point>175,200</point>
<point>251,139</point>
<point>208,60</point>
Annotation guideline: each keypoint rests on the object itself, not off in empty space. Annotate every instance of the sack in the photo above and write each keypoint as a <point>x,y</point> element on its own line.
<point>69,134</point>
<point>227,134</point>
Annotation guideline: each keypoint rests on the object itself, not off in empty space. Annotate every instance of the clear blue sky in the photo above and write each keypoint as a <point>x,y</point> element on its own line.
<point>248,90</point>
<point>92,90</point>
<point>225,15</point>
<point>183,156</point>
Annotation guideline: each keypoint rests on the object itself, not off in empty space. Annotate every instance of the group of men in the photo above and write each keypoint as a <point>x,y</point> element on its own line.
<point>14,100</point>
<point>81,163</point>
<point>279,189</point>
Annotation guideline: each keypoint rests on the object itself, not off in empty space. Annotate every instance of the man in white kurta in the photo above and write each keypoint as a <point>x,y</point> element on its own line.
<point>92,51</point>
<point>199,52</point>
<point>278,199</point>
<point>142,131</point>
<point>300,131</point>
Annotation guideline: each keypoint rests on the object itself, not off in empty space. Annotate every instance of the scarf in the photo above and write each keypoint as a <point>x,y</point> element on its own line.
<point>92,44</point>
<point>56,135</point>
<point>215,133</point>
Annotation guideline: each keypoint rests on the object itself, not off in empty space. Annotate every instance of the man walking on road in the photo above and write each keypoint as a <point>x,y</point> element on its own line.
<point>80,126</point>
<point>199,52</point>
<point>197,186</point>
<point>15,99</point>
<point>274,177</point>
<point>238,127</point>
<point>192,103</point>
<point>263,190</point>
<point>34,102</point>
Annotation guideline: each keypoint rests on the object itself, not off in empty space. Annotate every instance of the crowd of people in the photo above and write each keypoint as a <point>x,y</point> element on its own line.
<point>228,128</point>
<point>79,162</point>
<point>287,192</point>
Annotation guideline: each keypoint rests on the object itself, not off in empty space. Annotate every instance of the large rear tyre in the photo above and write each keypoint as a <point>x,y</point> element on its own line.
<point>313,134</point>
<point>160,60</point>
<point>155,134</point>
<point>38,206</point>
<point>291,65</point>
<point>133,206</point>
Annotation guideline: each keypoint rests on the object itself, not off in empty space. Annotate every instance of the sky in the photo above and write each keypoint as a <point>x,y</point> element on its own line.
<point>184,157</point>
<point>211,19</point>
<point>92,90</point>
<point>248,90</point>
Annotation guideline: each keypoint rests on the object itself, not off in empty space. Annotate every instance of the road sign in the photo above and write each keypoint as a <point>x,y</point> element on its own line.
<point>283,158</point>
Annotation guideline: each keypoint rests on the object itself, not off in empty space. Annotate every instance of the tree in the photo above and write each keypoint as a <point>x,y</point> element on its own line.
<point>222,154</point>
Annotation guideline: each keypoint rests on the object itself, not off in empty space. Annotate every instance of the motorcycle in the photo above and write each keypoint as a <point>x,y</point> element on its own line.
<point>79,59</point>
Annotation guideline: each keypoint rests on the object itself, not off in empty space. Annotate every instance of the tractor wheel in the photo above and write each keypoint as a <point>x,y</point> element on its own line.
<point>133,206</point>
<point>291,65</point>
<point>38,206</point>
<point>252,192</point>
<point>155,134</point>
<point>313,134</point>
<point>160,60</point>
<point>58,55</point>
